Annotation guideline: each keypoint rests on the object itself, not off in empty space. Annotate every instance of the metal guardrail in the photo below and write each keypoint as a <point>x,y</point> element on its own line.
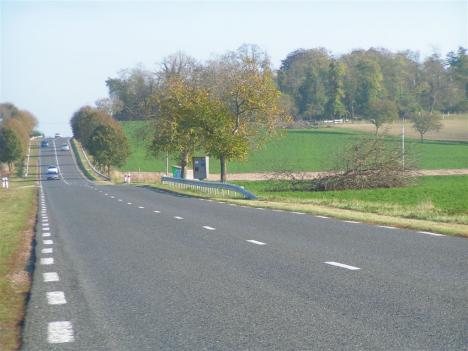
<point>209,187</point>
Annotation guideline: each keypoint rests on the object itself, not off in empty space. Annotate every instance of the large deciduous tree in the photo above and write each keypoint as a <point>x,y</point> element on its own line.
<point>109,146</point>
<point>11,148</point>
<point>243,81</point>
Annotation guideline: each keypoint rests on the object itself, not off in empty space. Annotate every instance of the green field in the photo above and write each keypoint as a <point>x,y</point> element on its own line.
<point>305,150</point>
<point>443,198</point>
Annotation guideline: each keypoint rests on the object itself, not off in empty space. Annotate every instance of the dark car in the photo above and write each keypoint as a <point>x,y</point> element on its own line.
<point>45,143</point>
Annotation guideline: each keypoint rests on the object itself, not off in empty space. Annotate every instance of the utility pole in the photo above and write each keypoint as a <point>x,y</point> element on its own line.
<point>403,143</point>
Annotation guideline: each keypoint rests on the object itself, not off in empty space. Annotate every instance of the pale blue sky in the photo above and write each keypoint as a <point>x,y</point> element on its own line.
<point>56,55</point>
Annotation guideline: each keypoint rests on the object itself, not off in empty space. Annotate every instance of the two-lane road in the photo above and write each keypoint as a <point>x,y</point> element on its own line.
<point>128,268</point>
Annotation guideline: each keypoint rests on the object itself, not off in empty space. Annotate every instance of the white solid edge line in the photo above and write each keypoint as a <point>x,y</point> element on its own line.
<point>354,222</point>
<point>56,298</point>
<point>50,277</point>
<point>47,260</point>
<point>300,213</point>
<point>386,227</point>
<point>60,332</point>
<point>47,250</point>
<point>342,265</point>
<point>430,233</point>
<point>208,227</point>
<point>256,242</point>
<point>322,217</point>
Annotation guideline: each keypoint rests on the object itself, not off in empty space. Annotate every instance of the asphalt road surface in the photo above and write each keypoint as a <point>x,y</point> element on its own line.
<point>129,268</point>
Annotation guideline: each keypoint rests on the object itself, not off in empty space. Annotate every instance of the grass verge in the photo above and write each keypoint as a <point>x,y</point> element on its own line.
<point>18,213</point>
<point>82,163</point>
<point>440,208</point>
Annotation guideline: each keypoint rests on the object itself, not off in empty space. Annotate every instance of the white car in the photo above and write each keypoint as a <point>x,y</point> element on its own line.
<point>65,147</point>
<point>52,173</point>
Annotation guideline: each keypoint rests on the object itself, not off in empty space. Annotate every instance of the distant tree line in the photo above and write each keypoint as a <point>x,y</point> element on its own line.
<point>16,128</point>
<point>317,86</point>
<point>102,136</point>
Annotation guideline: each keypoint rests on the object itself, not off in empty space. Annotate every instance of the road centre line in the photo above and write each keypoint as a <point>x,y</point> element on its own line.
<point>430,233</point>
<point>47,250</point>
<point>256,242</point>
<point>47,260</point>
<point>208,227</point>
<point>60,332</point>
<point>50,277</point>
<point>342,265</point>
<point>56,298</point>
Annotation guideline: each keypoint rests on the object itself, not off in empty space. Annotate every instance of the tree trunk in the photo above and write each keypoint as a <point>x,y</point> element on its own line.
<point>422,137</point>
<point>183,165</point>
<point>222,161</point>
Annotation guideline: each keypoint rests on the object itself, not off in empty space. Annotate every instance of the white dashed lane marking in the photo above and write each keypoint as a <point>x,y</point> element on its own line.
<point>386,227</point>
<point>208,227</point>
<point>47,250</point>
<point>60,332</point>
<point>50,277</point>
<point>129,203</point>
<point>177,217</point>
<point>45,235</point>
<point>56,298</point>
<point>119,200</point>
<point>140,207</point>
<point>48,242</point>
<point>47,260</point>
<point>430,233</point>
<point>256,242</point>
<point>342,265</point>
<point>156,211</point>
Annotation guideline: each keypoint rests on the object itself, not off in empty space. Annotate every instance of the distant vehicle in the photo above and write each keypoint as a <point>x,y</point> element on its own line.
<point>58,135</point>
<point>65,147</point>
<point>52,173</point>
<point>45,143</point>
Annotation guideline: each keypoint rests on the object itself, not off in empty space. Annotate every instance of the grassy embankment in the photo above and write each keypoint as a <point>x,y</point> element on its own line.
<point>17,216</point>
<point>82,163</point>
<point>306,150</point>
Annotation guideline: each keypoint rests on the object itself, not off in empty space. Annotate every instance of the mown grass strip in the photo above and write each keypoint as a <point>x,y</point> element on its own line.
<point>18,207</point>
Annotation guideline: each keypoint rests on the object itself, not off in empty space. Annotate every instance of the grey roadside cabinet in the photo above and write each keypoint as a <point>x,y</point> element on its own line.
<point>201,167</point>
